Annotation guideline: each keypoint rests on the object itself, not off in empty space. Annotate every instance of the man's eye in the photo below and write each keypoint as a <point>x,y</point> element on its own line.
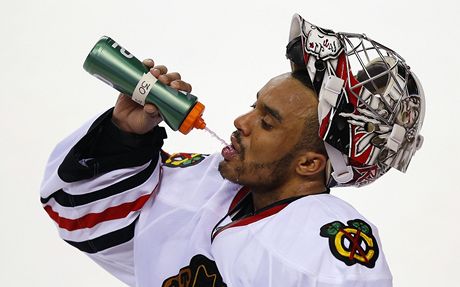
<point>265,125</point>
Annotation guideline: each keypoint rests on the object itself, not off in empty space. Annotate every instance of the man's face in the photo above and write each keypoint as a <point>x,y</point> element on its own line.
<point>263,146</point>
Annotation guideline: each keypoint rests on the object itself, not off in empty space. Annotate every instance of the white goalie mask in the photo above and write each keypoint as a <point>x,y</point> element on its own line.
<point>371,105</point>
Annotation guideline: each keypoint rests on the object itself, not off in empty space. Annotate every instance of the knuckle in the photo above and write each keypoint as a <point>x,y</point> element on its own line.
<point>148,62</point>
<point>162,69</point>
<point>165,79</point>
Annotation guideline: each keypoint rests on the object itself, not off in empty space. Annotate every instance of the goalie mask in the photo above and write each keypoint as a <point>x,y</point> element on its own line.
<point>371,105</point>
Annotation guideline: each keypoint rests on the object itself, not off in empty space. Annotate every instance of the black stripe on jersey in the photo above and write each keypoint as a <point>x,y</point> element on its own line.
<point>106,241</point>
<point>68,200</point>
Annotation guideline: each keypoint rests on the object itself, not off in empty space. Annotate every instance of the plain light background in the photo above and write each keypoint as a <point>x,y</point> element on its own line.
<point>227,50</point>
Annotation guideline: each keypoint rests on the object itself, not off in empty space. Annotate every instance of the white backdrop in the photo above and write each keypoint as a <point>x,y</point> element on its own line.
<point>227,50</point>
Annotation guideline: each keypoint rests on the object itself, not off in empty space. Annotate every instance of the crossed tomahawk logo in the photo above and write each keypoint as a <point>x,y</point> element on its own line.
<point>353,243</point>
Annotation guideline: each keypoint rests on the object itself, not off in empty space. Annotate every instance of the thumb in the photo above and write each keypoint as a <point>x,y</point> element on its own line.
<point>151,110</point>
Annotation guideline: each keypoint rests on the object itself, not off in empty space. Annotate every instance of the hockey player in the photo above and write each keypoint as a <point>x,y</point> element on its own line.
<point>259,213</point>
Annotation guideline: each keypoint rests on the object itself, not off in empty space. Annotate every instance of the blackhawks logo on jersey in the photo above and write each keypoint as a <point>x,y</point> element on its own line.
<point>201,272</point>
<point>184,159</point>
<point>353,243</point>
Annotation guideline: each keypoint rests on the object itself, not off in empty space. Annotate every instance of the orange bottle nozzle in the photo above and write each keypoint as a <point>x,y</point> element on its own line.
<point>193,119</point>
<point>199,123</point>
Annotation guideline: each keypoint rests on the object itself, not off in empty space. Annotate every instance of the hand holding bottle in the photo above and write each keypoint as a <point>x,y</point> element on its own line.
<point>134,118</point>
<point>115,66</point>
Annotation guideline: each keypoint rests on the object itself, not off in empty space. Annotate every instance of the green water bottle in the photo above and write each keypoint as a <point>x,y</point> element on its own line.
<point>112,64</point>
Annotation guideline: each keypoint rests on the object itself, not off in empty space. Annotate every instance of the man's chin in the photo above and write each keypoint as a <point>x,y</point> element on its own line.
<point>227,172</point>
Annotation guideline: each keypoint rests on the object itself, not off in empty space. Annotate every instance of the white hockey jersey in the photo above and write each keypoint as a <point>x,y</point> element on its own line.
<point>157,220</point>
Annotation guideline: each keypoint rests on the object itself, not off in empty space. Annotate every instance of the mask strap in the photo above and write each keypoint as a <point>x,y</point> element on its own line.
<point>328,96</point>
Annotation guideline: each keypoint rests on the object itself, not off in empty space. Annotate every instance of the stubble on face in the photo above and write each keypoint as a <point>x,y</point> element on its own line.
<point>258,175</point>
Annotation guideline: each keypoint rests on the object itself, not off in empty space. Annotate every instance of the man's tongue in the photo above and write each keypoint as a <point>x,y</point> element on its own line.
<point>229,152</point>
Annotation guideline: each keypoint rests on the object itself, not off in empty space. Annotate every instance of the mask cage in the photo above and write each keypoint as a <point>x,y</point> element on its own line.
<point>380,70</point>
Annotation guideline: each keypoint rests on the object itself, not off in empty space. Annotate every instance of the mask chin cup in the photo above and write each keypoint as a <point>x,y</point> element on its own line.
<point>343,172</point>
<point>344,177</point>
<point>396,137</point>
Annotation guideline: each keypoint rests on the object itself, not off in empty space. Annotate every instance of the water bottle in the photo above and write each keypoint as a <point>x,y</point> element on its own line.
<point>112,64</point>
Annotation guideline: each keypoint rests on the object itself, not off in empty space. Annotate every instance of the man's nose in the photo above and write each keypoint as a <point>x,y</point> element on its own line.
<point>244,123</point>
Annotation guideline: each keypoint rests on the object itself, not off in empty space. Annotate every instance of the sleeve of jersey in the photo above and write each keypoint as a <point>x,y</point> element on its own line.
<point>96,182</point>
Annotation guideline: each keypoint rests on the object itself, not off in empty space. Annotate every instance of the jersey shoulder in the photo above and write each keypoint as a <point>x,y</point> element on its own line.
<point>193,181</point>
<point>325,236</point>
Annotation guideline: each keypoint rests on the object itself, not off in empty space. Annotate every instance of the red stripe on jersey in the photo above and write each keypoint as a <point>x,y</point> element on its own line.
<point>253,218</point>
<point>91,219</point>
<point>238,197</point>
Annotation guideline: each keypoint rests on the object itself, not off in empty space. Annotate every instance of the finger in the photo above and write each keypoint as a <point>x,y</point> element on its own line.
<point>157,71</point>
<point>173,76</point>
<point>164,79</point>
<point>152,114</point>
<point>162,68</point>
<point>149,63</point>
<point>181,85</point>
<point>168,78</point>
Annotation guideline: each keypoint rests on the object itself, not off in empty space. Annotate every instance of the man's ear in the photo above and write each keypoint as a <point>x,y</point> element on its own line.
<point>310,163</point>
